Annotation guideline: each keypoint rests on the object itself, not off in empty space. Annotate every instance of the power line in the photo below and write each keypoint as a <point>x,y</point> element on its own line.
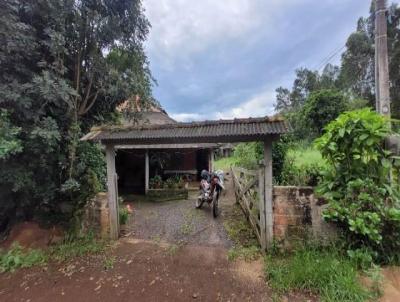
<point>324,59</point>
<point>329,58</point>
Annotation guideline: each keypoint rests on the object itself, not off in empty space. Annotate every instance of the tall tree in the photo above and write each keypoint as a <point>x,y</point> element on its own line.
<point>56,81</point>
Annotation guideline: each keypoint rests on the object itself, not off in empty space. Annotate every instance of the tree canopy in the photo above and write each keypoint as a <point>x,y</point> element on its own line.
<point>65,66</point>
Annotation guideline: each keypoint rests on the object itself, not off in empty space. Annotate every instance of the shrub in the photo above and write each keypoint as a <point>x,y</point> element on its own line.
<point>123,214</point>
<point>248,155</point>
<point>303,175</point>
<point>361,199</point>
<point>16,257</point>
<point>321,107</point>
<point>155,182</point>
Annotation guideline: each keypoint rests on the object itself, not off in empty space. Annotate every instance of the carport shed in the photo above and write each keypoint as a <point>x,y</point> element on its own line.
<point>266,129</point>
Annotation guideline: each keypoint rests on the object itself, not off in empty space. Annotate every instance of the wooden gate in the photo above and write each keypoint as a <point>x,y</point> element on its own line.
<point>249,186</point>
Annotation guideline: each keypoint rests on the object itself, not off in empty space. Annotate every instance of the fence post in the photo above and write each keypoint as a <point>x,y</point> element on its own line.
<point>269,216</point>
<point>112,192</point>
<point>261,199</point>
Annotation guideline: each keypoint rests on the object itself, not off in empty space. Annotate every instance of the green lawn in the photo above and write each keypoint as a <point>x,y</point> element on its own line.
<point>305,156</point>
<point>224,163</point>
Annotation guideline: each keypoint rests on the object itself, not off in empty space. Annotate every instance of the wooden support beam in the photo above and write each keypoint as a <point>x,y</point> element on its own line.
<point>212,159</point>
<point>269,216</point>
<point>112,192</point>
<point>147,171</point>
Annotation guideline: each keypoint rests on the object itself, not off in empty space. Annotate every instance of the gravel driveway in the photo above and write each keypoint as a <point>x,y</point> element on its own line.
<point>179,222</point>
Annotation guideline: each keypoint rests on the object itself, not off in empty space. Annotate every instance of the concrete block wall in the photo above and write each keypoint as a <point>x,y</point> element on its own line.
<point>298,214</point>
<point>96,216</point>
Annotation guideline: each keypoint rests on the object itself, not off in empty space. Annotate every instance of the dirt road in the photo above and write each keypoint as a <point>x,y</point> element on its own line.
<point>173,252</point>
<point>141,271</point>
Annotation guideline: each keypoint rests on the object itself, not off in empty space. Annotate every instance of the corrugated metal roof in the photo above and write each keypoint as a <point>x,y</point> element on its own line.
<point>208,130</point>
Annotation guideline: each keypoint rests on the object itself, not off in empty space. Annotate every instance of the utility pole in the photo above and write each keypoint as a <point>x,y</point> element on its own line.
<point>381,60</point>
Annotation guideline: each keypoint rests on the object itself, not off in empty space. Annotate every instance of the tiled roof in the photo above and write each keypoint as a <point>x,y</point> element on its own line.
<point>251,128</point>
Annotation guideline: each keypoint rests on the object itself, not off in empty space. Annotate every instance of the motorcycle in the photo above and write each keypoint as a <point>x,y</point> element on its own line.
<point>211,186</point>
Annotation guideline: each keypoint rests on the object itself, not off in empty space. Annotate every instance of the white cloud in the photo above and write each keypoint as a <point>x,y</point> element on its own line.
<point>257,106</point>
<point>187,117</point>
<point>189,26</point>
<point>193,25</point>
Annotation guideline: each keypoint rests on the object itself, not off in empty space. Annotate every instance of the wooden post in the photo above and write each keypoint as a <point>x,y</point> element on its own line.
<point>261,193</point>
<point>269,217</point>
<point>147,171</point>
<point>112,193</point>
<point>211,160</point>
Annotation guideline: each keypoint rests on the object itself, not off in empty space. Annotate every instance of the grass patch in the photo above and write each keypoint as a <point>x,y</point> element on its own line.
<point>305,156</point>
<point>324,272</point>
<point>186,228</point>
<point>17,257</point>
<point>224,163</point>
<point>73,247</point>
<point>240,232</point>
<point>172,249</point>
<point>249,253</point>
<point>109,263</point>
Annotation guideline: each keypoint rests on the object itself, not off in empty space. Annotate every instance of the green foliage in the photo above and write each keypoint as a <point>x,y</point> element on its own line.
<point>323,272</point>
<point>248,155</point>
<point>321,107</point>
<point>73,246</point>
<point>308,174</point>
<point>9,142</point>
<point>16,257</point>
<point>156,182</point>
<point>362,201</point>
<point>174,182</point>
<point>109,263</point>
<point>225,163</point>
<point>302,167</point>
<point>246,246</point>
<point>65,66</point>
<point>123,215</point>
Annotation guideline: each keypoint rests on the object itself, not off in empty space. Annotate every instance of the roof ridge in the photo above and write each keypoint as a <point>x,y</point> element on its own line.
<point>250,120</point>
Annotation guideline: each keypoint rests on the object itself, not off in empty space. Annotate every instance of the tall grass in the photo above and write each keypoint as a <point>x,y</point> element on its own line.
<point>73,247</point>
<point>324,272</point>
<point>224,163</point>
<point>305,156</point>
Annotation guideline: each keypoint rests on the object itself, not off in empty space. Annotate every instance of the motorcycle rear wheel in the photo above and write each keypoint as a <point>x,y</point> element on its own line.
<point>215,204</point>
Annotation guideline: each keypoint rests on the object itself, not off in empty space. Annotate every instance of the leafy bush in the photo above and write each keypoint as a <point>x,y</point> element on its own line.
<point>9,142</point>
<point>123,215</point>
<point>362,201</point>
<point>303,175</point>
<point>323,272</point>
<point>248,155</point>
<point>321,107</point>
<point>16,257</point>
<point>155,182</point>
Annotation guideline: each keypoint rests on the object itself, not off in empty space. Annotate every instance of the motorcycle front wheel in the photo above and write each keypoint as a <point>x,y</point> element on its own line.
<point>215,204</point>
<point>199,203</point>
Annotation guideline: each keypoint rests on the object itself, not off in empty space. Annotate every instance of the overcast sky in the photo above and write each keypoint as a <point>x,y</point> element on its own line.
<point>223,59</point>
